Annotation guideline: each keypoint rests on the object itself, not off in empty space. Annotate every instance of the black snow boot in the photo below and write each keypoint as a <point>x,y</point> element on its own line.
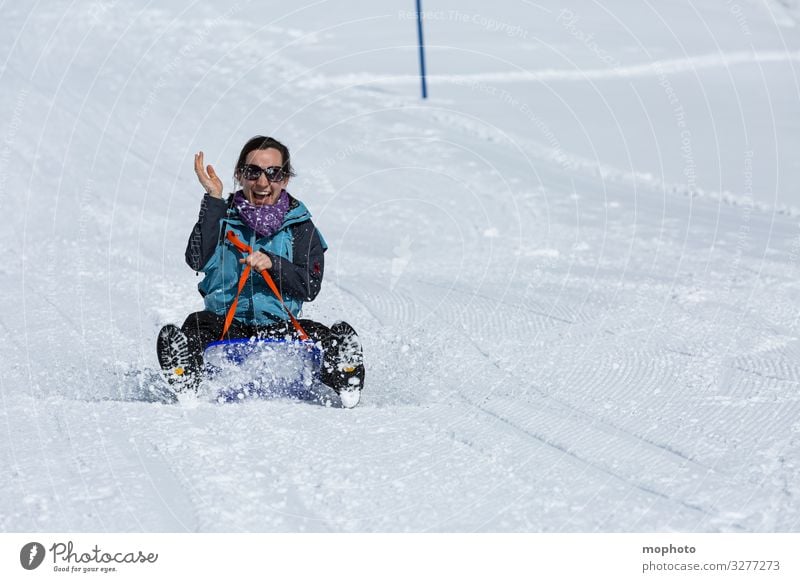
<point>343,363</point>
<point>172,348</point>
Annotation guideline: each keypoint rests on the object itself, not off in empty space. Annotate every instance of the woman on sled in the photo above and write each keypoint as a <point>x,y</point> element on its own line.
<point>259,235</point>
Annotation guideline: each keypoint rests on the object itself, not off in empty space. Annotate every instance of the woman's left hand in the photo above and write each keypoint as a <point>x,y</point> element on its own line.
<point>258,260</point>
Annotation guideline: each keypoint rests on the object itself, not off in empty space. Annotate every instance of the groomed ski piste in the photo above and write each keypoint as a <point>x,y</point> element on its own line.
<point>574,268</point>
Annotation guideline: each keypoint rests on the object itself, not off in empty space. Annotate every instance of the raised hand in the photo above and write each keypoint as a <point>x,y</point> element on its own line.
<point>207,176</point>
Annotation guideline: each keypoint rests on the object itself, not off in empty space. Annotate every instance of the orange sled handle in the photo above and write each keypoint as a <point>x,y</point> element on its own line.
<point>241,246</point>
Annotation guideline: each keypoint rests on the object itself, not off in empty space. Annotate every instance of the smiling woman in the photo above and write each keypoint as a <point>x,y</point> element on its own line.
<point>260,228</point>
<point>263,169</point>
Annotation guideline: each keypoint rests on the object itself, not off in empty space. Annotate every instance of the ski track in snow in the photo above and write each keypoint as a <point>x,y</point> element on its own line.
<point>553,343</point>
<point>688,64</point>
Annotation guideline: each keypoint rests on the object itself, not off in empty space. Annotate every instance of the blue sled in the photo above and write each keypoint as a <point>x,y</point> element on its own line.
<point>243,369</point>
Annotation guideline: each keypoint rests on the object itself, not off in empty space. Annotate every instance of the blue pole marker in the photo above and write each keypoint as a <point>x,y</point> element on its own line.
<point>421,50</point>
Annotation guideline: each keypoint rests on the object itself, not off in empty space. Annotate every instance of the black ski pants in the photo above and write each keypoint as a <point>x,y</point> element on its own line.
<point>204,327</point>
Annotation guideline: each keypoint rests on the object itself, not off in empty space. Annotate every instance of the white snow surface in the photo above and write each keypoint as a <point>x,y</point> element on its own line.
<point>574,268</point>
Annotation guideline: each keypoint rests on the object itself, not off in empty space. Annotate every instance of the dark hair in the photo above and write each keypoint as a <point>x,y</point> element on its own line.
<point>261,142</point>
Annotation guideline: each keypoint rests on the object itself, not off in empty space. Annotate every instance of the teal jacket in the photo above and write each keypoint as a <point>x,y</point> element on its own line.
<point>296,250</point>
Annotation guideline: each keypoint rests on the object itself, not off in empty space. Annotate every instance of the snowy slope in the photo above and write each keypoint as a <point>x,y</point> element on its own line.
<point>574,268</point>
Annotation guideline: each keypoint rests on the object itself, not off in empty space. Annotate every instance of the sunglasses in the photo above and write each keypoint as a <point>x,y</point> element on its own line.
<point>253,172</point>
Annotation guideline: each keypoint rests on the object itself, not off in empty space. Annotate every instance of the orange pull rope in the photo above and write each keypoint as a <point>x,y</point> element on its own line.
<point>232,309</point>
<point>241,246</point>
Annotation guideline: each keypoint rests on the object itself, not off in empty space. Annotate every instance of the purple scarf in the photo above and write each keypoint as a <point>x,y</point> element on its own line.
<point>265,220</point>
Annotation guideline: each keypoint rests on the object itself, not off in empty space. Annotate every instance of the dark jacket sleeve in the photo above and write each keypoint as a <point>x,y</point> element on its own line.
<point>205,233</point>
<point>301,278</point>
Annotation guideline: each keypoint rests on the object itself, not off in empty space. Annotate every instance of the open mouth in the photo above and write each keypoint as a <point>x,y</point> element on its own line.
<point>261,196</point>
